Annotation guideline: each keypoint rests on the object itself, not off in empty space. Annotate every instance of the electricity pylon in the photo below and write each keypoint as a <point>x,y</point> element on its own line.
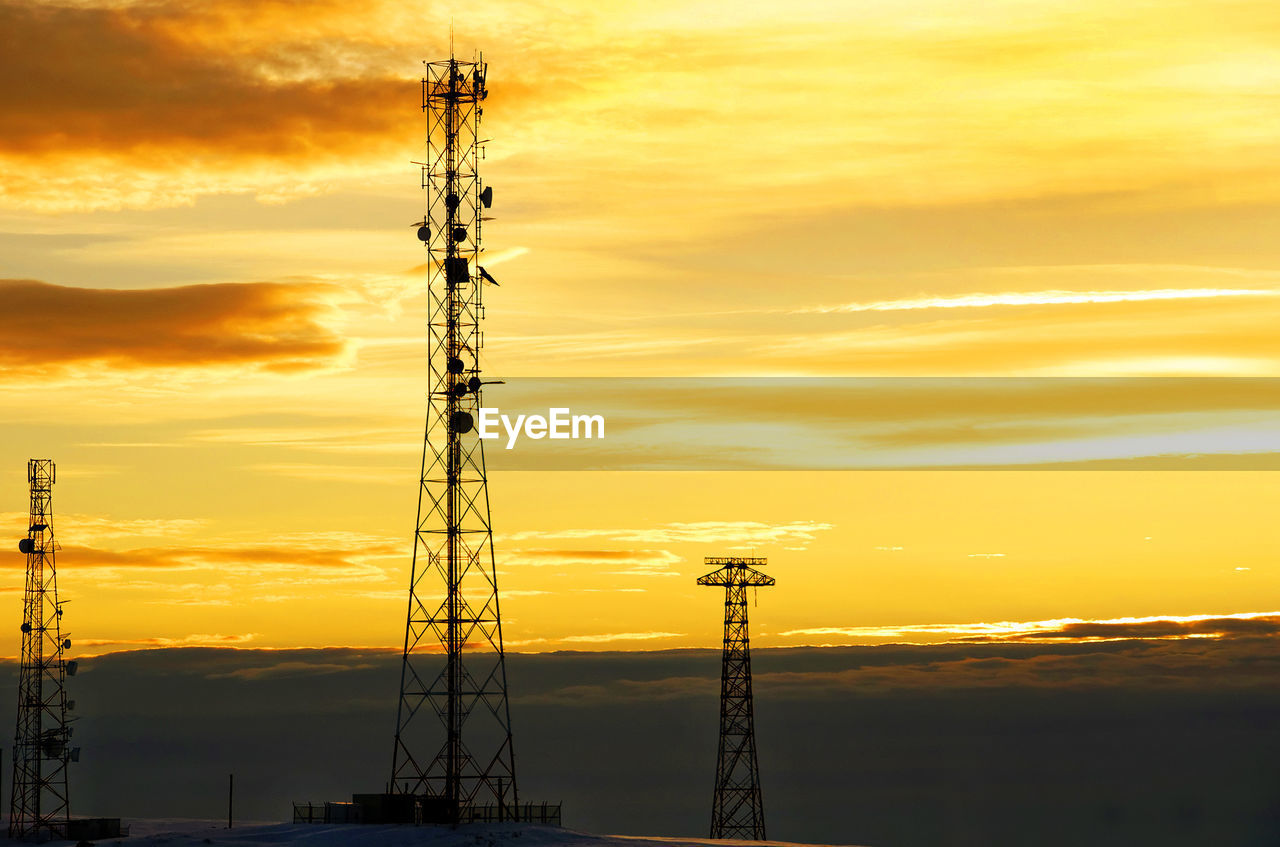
<point>737,810</point>
<point>453,725</point>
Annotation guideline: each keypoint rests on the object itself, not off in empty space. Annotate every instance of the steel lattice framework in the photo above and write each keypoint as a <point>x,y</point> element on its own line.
<point>737,810</point>
<point>453,727</point>
<point>40,807</point>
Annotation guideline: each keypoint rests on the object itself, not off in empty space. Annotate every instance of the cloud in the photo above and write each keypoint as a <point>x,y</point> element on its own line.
<point>288,669</point>
<point>138,91</point>
<point>562,557</point>
<point>1042,298</point>
<point>215,640</point>
<point>629,562</point>
<point>1071,742</point>
<point>868,422</point>
<point>99,527</point>
<point>595,638</point>
<point>1218,337</point>
<point>289,561</point>
<point>1176,662</point>
<point>144,104</point>
<point>174,86</point>
<point>1258,624</point>
<point>252,556</point>
<point>1175,659</point>
<point>704,532</point>
<point>1062,629</point>
<point>615,692</point>
<point>617,636</point>
<point>281,327</point>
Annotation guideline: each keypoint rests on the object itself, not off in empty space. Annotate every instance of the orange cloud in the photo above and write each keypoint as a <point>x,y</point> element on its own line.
<point>140,105</point>
<point>103,79</point>
<point>255,557</point>
<point>1067,630</point>
<point>277,326</point>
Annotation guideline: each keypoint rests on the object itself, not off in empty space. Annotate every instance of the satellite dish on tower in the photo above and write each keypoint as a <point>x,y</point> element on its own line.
<point>461,422</point>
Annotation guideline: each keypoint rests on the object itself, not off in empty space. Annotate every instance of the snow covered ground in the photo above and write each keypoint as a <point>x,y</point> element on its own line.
<point>193,833</point>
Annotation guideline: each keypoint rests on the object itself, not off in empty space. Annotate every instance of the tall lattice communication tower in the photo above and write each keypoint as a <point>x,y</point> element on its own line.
<point>453,728</point>
<point>40,806</point>
<point>737,810</point>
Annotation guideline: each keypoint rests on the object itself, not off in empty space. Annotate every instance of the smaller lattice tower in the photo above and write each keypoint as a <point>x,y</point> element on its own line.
<point>40,806</point>
<point>737,810</point>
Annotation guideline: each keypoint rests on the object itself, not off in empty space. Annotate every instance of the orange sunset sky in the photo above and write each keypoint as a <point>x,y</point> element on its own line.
<point>214,303</point>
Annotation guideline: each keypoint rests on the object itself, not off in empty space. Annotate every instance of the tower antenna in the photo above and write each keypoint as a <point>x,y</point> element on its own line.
<point>453,724</point>
<point>737,810</point>
<point>40,807</point>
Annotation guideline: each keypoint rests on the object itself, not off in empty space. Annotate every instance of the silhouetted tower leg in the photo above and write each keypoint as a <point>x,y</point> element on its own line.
<point>737,810</point>
<point>40,806</point>
<point>453,725</point>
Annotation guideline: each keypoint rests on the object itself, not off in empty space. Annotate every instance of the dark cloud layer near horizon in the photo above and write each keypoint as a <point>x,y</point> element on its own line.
<point>1171,628</point>
<point>1121,742</point>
